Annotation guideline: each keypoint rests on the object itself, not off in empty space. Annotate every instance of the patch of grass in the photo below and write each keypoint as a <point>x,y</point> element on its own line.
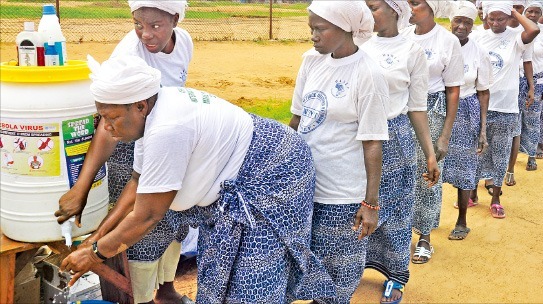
<point>81,12</point>
<point>271,108</point>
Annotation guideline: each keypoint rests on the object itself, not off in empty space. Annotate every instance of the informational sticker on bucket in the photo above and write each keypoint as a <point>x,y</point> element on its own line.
<point>78,134</point>
<point>30,148</point>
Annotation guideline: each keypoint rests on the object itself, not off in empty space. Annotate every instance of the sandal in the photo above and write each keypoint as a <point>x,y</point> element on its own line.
<point>497,211</point>
<point>459,233</point>
<point>539,155</point>
<point>531,165</point>
<point>389,286</point>
<point>471,203</point>
<point>510,178</point>
<point>421,252</point>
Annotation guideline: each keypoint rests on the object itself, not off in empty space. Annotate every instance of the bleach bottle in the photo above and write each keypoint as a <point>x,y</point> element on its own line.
<point>49,26</point>
<point>30,47</point>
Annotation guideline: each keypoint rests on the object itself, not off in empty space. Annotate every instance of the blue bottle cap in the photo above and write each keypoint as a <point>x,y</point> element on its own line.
<point>49,9</point>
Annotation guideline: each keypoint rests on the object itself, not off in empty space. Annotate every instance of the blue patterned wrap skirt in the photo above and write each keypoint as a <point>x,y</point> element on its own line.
<point>499,133</point>
<point>427,208</point>
<point>336,244</point>
<point>529,122</point>
<point>254,242</point>
<point>389,246</point>
<point>460,168</point>
<point>152,246</point>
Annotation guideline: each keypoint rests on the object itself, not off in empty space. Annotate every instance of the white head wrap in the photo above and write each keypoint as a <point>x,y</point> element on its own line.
<point>535,3</point>
<point>123,80</point>
<point>490,6</point>
<point>520,2</point>
<point>478,3</point>
<point>463,9</point>
<point>401,7</point>
<point>350,16</point>
<point>441,8</point>
<point>170,6</point>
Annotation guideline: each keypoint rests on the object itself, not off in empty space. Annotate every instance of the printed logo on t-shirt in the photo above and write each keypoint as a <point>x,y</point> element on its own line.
<point>315,104</point>
<point>430,54</point>
<point>496,61</point>
<point>466,68</point>
<point>340,89</point>
<point>503,44</point>
<point>183,77</point>
<point>388,60</point>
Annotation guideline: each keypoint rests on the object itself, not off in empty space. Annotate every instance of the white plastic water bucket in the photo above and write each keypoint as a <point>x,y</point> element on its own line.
<point>47,121</point>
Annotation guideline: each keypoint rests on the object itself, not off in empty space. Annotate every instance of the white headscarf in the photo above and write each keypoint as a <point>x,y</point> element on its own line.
<point>123,80</point>
<point>441,8</point>
<point>350,16</point>
<point>401,7</point>
<point>535,3</point>
<point>497,6</point>
<point>520,2</point>
<point>170,6</point>
<point>463,9</point>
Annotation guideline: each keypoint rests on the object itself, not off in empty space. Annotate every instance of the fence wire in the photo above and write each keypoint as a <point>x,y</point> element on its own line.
<point>110,20</point>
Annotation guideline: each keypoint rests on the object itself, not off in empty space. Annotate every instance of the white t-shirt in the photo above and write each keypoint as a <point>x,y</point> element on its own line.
<point>537,56</point>
<point>173,66</point>
<point>477,69</point>
<point>404,66</point>
<point>505,50</point>
<point>445,65</point>
<point>341,103</point>
<point>192,142</point>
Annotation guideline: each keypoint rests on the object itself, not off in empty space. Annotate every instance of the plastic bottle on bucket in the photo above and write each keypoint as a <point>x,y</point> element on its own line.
<point>30,48</point>
<point>49,27</point>
<point>52,57</point>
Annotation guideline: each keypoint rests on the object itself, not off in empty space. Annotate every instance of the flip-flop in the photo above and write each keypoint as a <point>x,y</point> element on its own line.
<point>495,211</point>
<point>471,203</point>
<point>387,293</point>
<point>459,233</point>
<point>539,155</point>
<point>510,178</point>
<point>531,165</point>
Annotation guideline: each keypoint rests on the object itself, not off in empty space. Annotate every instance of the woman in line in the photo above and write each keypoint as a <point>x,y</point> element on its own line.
<point>468,139</point>
<point>339,107</point>
<point>525,99</point>
<point>246,181</point>
<point>162,44</point>
<point>404,66</point>
<point>446,67</point>
<point>531,113</point>
<point>505,48</point>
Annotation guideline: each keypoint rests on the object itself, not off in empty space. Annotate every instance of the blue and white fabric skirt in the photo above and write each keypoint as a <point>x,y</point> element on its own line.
<point>254,242</point>
<point>460,168</point>
<point>389,246</point>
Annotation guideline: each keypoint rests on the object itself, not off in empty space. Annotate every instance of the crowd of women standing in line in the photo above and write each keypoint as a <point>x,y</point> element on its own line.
<point>387,117</point>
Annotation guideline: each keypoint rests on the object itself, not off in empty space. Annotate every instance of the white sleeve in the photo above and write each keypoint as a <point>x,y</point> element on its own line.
<point>372,107</point>
<point>165,158</point>
<point>520,43</point>
<point>485,77</point>
<point>528,52</point>
<point>453,74</point>
<point>127,46</point>
<point>418,85</point>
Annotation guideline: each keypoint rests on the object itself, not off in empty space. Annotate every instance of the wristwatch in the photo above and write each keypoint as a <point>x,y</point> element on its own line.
<point>95,250</point>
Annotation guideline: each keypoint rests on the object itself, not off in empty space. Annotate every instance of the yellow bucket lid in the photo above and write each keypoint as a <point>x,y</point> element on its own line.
<point>73,70</point>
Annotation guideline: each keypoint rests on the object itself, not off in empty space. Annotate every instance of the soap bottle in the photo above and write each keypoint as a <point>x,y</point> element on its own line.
<point>30,50</point>
<point>49,27</point>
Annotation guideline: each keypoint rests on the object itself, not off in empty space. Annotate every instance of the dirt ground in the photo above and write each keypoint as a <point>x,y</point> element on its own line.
<point>499,262</point>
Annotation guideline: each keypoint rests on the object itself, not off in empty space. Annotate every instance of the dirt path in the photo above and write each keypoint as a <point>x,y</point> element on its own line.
<point>499,262</point>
